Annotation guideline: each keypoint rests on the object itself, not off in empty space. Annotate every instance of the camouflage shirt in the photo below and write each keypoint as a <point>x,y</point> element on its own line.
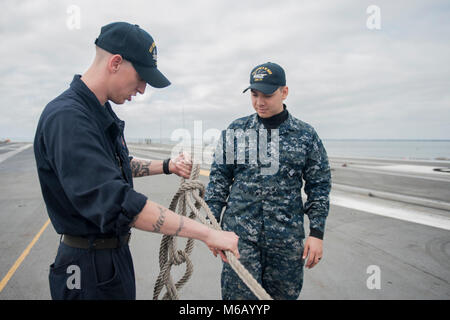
<point>262,198</point>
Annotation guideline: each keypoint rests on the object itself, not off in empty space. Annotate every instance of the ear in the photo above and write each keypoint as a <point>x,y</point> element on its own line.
<point>114,63</point>
<point>284,92</point>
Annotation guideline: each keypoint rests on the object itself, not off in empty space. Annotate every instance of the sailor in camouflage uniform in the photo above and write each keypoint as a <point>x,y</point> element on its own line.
<point>262,195</point>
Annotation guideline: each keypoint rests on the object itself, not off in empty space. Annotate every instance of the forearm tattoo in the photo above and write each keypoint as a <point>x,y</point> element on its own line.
<point>160,221</point>
<point>180,227</point>
<point>140,168</point>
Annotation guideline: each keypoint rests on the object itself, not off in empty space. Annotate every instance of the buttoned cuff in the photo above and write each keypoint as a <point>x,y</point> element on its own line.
<point>316,234</point>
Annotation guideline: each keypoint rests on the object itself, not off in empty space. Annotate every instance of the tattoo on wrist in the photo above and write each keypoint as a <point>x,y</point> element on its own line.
<point>160,221</point>
<point>140,168</point>
<point>180,227</point>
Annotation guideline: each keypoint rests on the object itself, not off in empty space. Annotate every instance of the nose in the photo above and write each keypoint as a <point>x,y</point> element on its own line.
<point>141,86</point>
<point>259,101</point>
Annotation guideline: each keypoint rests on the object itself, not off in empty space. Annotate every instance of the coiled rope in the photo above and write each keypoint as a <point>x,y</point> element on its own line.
<point>187,197</point>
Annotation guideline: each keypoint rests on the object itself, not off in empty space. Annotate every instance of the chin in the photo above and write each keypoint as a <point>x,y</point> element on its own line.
<point>117,101</point>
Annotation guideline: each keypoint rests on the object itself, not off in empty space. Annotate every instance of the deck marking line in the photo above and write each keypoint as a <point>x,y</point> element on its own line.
<point>22,257</point>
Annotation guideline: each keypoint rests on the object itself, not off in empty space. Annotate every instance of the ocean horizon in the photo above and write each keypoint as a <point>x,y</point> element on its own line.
<point>405,149</point>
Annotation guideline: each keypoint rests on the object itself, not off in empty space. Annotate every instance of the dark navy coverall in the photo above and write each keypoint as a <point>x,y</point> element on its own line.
<point>85,175</point>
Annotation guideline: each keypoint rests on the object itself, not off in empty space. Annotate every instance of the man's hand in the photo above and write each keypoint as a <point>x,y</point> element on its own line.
<point>181,165</point>
<point>156,218</point>
<point>313,249</point>
<point>220,241</point>
<point>222,254</point>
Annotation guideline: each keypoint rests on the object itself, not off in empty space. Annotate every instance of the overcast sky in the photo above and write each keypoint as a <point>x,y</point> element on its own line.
<point>345,79</point>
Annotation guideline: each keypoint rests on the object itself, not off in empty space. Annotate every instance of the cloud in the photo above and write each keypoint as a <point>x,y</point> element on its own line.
<point>344,79</point>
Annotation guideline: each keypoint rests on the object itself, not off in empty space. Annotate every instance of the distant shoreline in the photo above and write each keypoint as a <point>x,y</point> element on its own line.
<point>388,152</point>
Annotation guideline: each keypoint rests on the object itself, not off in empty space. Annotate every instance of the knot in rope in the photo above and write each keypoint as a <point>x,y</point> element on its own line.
<point>192,185</point>
<point>180,257</point>
<point>187,196</point>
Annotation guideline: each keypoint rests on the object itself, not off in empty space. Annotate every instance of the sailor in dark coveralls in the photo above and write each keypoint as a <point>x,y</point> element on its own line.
<point>86,173</point>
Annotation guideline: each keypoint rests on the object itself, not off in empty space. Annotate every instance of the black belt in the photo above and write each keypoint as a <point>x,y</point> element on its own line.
<point>96,244</point>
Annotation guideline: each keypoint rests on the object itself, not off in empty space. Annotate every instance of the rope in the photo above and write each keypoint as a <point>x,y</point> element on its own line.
<point>170,256</point>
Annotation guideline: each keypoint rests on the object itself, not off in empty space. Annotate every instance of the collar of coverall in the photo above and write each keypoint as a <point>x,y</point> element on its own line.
<point>276,120</point>
<point>103,114</point>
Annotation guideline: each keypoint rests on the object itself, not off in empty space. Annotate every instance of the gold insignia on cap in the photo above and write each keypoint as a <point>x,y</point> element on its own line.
<point>260,73</point>
<point>152,47</point>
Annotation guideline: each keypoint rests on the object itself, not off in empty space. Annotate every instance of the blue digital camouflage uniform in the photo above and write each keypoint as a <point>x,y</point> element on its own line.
<point>266,210</point>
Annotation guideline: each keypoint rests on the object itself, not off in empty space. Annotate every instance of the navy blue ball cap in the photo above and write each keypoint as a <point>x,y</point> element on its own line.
<point>135,45</point>
<point>267,78</point>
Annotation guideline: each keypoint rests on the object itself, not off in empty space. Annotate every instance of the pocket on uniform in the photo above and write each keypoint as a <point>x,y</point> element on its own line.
<point>65,281</point>
<point>108,280</point>
<point>103,266</point>
<point>65,273</point>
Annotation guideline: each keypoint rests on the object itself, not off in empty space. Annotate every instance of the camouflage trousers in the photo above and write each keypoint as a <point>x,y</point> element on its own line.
<point>278,268</point>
